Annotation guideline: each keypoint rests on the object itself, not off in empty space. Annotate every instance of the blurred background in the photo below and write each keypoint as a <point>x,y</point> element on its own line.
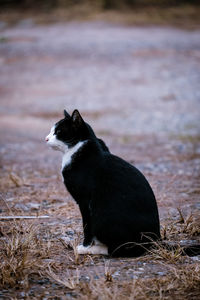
<point>136,60</point>
<point>174,12</point>
<point>132,68</point>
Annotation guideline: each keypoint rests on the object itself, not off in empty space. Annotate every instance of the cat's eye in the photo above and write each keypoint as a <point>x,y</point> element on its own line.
<point>58,131</point>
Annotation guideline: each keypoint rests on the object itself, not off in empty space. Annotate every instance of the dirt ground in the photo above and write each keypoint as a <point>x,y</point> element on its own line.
<point>138,87</point>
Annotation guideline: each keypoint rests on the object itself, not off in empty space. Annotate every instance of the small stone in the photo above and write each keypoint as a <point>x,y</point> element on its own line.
<point>22,294</point>
<point>195,258</point>
<point>66,239</point>
<point>43,281</point>
<point>161,273</point>
<point>70,232</point>
<point>21,206</point>
<point>117,273</point>
<point>34,206</point>
<point>10,199</point>
<point>85,278</point>
<point>134,277</point>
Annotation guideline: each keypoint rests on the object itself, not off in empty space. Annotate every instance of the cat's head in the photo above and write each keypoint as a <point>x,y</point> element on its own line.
<point>68,132</point>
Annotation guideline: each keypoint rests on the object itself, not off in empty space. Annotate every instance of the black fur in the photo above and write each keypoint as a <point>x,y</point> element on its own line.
<point>117,204</point>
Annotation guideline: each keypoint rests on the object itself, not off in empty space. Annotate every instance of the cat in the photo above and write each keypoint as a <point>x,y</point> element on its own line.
<point>118,207</point>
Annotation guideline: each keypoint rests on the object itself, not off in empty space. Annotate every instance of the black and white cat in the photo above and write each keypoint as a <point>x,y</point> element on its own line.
<point>117,204</point>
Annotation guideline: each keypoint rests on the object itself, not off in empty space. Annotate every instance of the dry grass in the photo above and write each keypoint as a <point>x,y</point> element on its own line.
<point>29,251</point>
<point>22,253</point>
<point>71,282</point>
<point>185,226</point>
<point>180,283</point>
<point>188,224</point>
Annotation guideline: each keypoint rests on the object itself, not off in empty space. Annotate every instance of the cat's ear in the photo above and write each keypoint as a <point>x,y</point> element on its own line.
<point>66,114</point>
<point>76,118</point>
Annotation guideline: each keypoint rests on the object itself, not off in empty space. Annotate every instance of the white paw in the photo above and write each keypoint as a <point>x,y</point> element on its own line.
<point>81,249</point>
<point>101,250</point>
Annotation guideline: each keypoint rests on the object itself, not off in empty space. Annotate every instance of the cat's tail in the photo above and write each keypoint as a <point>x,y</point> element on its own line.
<point>184,248</point>
<point>130,249</point>
<point>154,247</point>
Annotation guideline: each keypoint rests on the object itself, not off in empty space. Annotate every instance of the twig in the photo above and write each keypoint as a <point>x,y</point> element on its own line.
<point>22,217</point>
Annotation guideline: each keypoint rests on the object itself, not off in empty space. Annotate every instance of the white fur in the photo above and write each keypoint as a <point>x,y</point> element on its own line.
<point>54,143</point>
<point>97,249</point>
<point>67,157</point>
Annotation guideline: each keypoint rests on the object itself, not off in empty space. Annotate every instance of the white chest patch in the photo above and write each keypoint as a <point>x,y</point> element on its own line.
<point>67,157</point>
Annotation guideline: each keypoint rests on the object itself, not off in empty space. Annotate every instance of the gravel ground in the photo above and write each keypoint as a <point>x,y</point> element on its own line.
<point>139,89</point>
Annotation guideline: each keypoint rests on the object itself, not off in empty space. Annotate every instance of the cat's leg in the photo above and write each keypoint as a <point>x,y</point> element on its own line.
<point>90,244</point>
<point>97,248</point>
<point>85,212</point>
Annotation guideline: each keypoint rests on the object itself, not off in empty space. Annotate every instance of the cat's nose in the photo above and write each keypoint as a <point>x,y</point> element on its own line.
<point>46,139</point>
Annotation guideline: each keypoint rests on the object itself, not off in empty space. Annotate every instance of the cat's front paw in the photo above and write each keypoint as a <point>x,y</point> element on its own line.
<point>82,249</point>
<point>96,250</point>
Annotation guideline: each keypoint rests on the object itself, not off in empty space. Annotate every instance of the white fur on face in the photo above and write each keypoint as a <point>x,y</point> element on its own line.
<point>54,143</point>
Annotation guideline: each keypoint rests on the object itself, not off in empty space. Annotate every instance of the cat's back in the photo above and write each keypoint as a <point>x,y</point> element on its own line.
<point>117,168</point>
<point>124,180</point>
